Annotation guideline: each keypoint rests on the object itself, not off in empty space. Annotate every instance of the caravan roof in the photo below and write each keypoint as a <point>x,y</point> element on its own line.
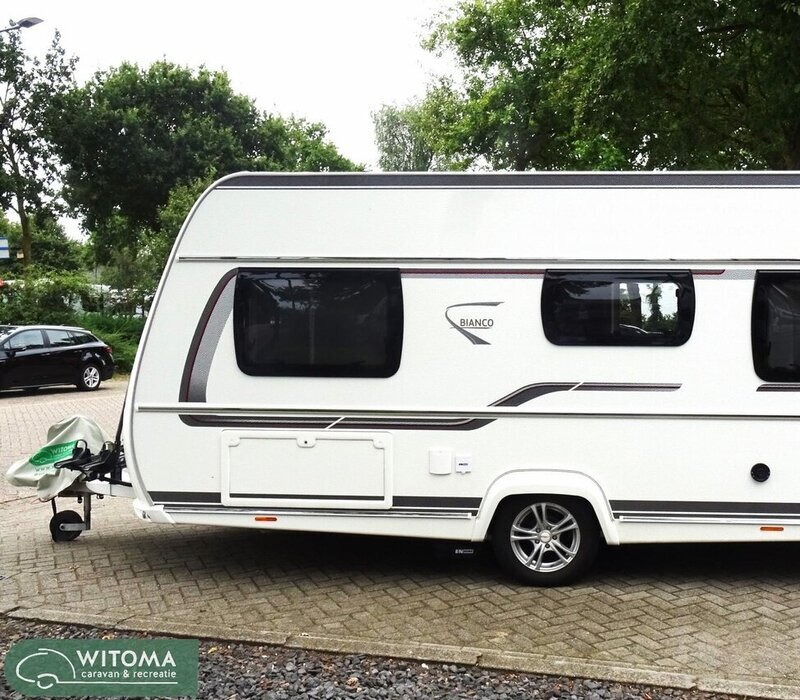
<point>505,217</point>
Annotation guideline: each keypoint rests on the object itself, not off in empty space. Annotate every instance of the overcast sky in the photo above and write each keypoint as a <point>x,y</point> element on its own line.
<point>332,61</point>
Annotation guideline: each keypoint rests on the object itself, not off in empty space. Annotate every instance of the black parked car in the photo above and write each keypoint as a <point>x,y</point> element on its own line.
<point>34,356</point>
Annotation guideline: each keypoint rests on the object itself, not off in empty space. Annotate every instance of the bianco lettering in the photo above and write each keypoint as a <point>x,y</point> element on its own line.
<point>477,322</point>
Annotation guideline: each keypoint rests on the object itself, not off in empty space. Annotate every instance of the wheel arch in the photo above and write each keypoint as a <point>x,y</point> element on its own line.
<point>551,482</point>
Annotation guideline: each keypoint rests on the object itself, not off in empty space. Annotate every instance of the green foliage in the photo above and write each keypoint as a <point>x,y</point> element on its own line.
<point>131,136</point>
<point>122,333</point>
<point>28,167</point>
<point>610,85</point>
<point>38,297</point>
<point>401,139</point>
<point>501,112</point>
<point>127,275</point>
<point>106,324</point>
<point>132,272</point>
<point>303,148</point>
<point>52,298</point>
<point>51,248</point>
<point>123,348</point>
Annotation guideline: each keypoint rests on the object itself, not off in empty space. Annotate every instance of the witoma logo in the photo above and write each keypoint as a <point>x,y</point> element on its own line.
<point>133,667</point>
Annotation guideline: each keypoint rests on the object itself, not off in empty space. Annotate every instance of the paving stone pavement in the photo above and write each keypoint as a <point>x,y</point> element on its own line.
<point>710,614</point>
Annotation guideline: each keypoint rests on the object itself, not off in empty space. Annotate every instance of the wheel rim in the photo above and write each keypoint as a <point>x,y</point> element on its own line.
<point>91,377</point>
<point>545,537</point>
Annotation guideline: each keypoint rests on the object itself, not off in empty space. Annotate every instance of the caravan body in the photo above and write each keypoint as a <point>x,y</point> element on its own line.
<point>549,359</point>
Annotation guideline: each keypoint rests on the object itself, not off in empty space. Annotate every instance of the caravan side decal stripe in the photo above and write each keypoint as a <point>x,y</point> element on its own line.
<point>704,508</point>
<point>205,340</point>
<point>436,502</point>
<point>185,497</point>
<point>399,503</point>
<point>516,398</point>
<point>286,496</point>
<point>223,421</point>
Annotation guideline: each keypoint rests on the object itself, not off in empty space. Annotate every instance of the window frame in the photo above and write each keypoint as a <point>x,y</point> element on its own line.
<point>394,339</point>
<point>686,306</point>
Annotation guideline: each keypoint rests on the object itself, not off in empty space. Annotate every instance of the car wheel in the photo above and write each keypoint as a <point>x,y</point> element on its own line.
<point>545,540</point>
<point>89,378</point>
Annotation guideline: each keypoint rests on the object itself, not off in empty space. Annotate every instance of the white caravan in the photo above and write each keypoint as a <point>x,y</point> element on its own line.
<point>546,360</point>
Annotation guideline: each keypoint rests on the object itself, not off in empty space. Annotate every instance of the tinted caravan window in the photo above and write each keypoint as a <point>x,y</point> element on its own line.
<point>776,326</point>
<point>609,307</point>
<point>318,323</point>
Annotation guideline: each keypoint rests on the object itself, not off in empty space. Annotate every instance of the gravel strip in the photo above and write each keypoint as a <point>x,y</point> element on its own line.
<point>243,671</point>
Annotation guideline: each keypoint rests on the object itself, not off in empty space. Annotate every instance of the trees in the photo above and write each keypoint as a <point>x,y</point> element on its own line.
<point>303,146</point>
<point>28,167</point>
<point>51,249</point>
<point>500,112</point>
<point>613,84</point>
<point>133,149</point>
<point>131,135</point>
<point>717,86</point>
<point>402,141</point>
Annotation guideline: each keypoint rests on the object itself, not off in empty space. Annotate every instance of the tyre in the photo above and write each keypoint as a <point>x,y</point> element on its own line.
<point>64,517</point>
<point>89,378</point>
<point>545,540</point>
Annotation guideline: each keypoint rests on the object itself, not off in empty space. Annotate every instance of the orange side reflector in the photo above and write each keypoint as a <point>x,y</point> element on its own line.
<point>272,519</point>
<point>771,528</point>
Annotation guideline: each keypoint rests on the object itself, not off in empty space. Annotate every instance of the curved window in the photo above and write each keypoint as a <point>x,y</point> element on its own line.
<point>318,322</point>
<point>776,326</point>
<point>611,307</point>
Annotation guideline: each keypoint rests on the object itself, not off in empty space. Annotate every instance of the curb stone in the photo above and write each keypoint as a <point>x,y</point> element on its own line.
<point>202,632</point>
<point>749,689</point>
<point>550,665</point>
<point>411,650</point>
<point>771,689</point>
